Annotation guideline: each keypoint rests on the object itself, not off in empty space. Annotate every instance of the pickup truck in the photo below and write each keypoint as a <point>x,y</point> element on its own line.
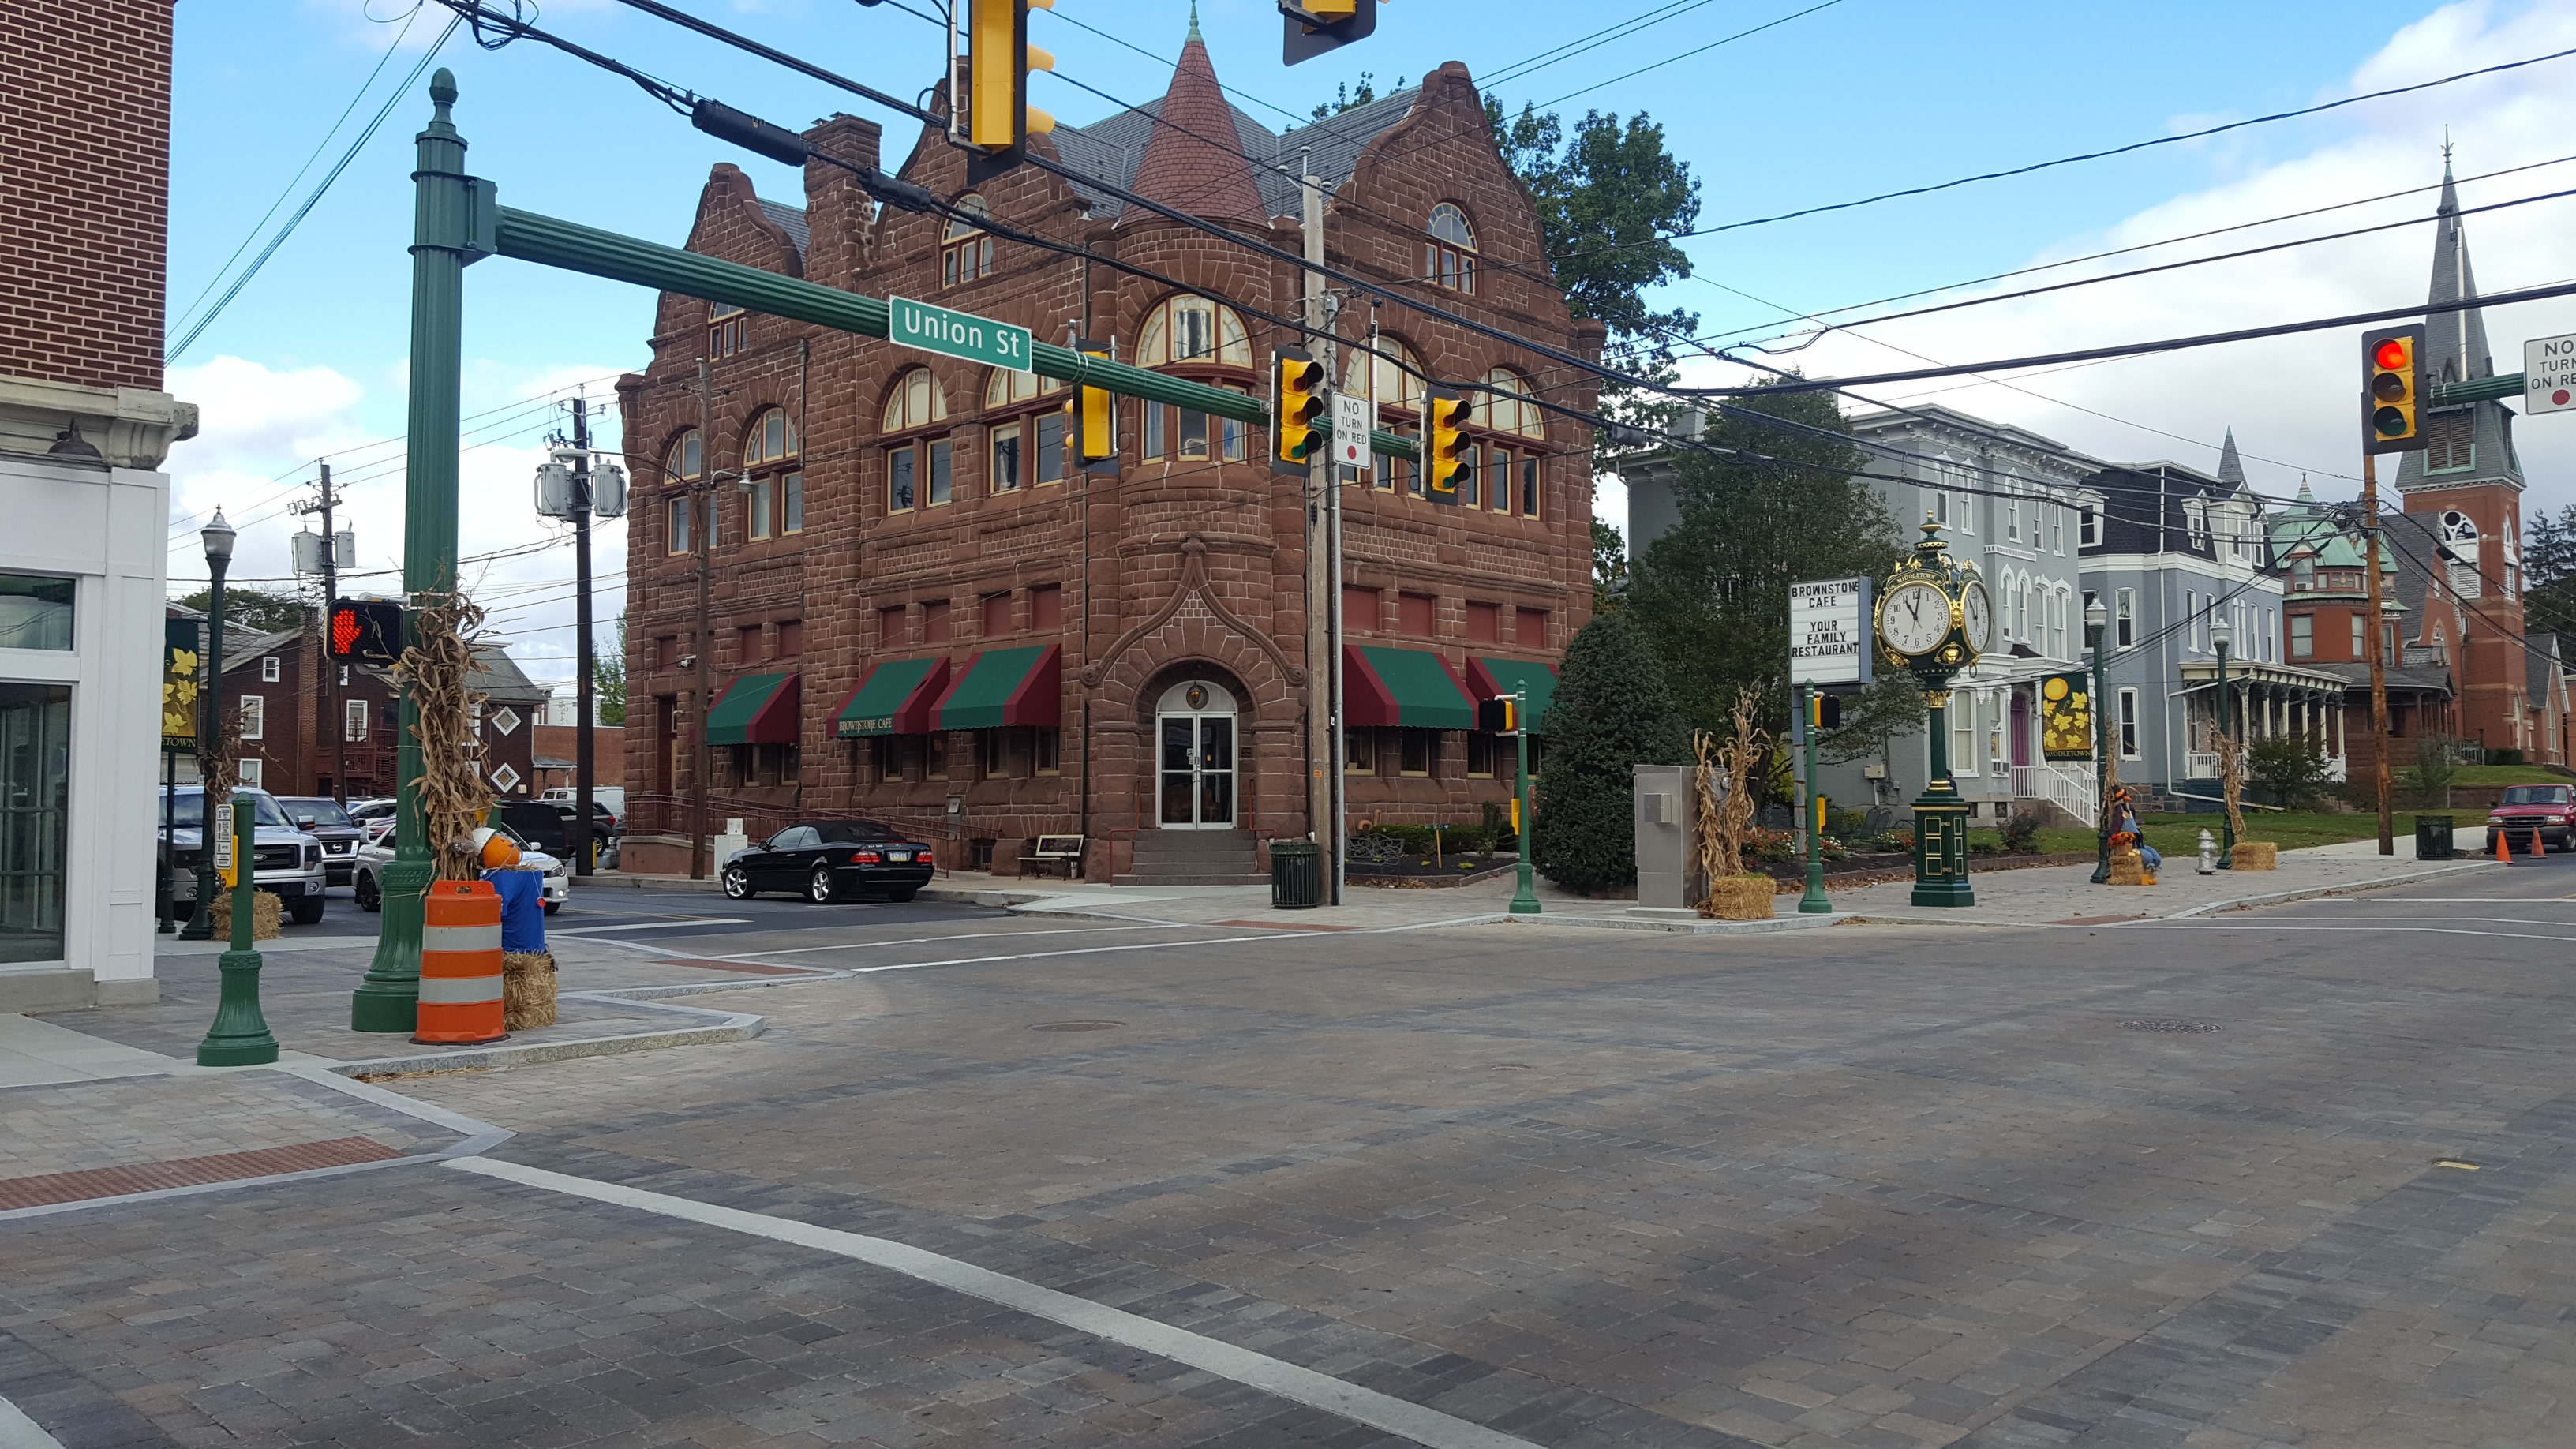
<point>2534,817</point>
<point>285,861</point>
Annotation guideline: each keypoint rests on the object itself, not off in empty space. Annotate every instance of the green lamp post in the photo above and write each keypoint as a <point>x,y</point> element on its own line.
<point>2221,636</point>
<point>2097,622</point>
<point>1933,619</point>
<point>450,211</point>
<point>218,539</point>
<point>239,1036</point>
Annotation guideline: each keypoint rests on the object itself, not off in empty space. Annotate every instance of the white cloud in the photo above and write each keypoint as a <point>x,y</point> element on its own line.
<point>2290,399</point>
<point>263,431</point>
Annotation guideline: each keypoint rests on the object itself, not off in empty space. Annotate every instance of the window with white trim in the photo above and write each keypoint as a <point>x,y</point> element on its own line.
<point>2129,724</point>
<point>268,669</point>
<point>254,717</point>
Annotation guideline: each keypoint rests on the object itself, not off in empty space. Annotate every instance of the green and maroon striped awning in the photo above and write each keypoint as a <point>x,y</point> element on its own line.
<point>756,709</point>
<point>1412,688</point>
<point>895,698</point>
<point>1003,688</point>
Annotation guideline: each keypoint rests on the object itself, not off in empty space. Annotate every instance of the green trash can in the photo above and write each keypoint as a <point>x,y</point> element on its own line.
<point>1296,875</point>
<point>2433,840</point>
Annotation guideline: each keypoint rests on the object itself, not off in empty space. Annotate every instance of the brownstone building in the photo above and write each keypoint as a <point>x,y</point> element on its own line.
<point>921,612</point>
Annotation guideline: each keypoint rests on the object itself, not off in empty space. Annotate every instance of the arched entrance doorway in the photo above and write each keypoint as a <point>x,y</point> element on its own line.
<point>1194,757</point>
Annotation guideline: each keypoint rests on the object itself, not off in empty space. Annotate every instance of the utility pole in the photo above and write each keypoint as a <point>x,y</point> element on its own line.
<point>2377,653</point>
<point>702,517</point>
<point>330,571</point>
<point>1321,586</point>
<point>583,750</point>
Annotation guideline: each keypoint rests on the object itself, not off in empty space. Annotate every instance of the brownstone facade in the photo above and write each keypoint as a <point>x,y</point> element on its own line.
<point>1184,565</point>
<point>84,190</point>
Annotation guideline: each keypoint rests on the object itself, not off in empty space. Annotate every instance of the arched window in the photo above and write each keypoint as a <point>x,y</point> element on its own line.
<point>1398,379</point>
<point>918,471</point>
<point>725,328</point>
<point>681,463</point>
<point>966,251</point>
<point>1193,329</point>
<point>774,485</point>
<point>1449,256</point>
<point>1513,414</point>
<point>1028,446</point>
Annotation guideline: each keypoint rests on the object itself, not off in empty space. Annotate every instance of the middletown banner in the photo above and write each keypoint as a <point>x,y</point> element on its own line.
<point>2065,717</point>
<point>179,661</point>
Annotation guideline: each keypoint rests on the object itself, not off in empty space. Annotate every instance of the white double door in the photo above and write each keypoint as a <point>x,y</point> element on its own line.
<point>1194,758</point>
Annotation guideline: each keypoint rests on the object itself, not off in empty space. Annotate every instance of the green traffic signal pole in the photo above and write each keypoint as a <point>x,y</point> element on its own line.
<point>447,206</point>
<point>2093,634</point>
<point>239,1036</point>
<point>1813,903</point>
<point>1525,895</point>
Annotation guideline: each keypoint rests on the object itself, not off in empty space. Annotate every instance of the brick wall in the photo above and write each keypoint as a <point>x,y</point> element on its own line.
<point>1167,570</point>
<point>84,190</point>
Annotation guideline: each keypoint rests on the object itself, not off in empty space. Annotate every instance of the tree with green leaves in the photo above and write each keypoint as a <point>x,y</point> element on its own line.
<point>1610,712</point>
<point>608,679</point>
<point>252,608</point>
<point>1349,98</point>
<point>2549,572</point>
<point>1609,566</point>
<point>1607,195</point>
<point>1713,591</point>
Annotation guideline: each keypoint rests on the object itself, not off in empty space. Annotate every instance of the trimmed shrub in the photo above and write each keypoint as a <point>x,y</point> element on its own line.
<point>1611,712</point>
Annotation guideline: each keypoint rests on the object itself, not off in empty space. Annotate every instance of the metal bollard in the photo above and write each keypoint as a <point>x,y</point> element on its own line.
<point>2208,855</point>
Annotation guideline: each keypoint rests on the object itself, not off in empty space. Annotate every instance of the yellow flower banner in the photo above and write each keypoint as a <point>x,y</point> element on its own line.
<point>2066,717</point>
<point>179,663</point>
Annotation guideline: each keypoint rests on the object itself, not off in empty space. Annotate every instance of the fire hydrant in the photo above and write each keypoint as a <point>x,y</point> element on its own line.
<point>2208,855</point>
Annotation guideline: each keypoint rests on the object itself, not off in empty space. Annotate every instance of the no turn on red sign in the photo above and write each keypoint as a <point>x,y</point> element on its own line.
<point>1351,429</point>
<point>2549,374</point>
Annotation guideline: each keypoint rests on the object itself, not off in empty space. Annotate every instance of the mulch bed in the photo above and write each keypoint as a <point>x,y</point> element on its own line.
<point>1416,873</point>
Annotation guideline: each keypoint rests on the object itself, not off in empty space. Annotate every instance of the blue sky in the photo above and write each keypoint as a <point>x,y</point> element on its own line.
<point>1858,97</point>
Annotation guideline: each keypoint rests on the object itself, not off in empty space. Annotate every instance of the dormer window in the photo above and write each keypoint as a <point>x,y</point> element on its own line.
<point>1449,256</point>
<point>2088,533</point>
<point>2303,575</point>
<point>726,329</point>
<point>966,252</point>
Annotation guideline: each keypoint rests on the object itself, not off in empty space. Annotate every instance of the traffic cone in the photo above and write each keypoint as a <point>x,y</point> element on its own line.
<point>2504,848</point>
<point>460,965</point>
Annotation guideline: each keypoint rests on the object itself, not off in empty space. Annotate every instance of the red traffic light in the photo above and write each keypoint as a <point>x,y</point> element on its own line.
<point>2392,353</point>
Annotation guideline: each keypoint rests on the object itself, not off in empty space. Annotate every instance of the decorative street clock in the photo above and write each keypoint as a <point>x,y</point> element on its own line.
<point>1934,619</point>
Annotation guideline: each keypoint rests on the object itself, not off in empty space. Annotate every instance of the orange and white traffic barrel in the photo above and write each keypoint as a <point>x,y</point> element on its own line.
<point>460,965</point>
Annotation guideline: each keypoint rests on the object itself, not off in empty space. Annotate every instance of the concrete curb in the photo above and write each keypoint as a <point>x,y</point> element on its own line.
<point>722,1026</point>
<point>1773,926</point>
<point>2276,897</point>
<point>614,880</point>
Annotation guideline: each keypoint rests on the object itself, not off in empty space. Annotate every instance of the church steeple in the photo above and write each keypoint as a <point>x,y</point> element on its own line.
<point>1194,161</point>
<point>2473,443</point>
<point>2231,469</point>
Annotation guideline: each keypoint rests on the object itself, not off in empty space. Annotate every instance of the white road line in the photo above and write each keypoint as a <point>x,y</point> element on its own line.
<point>929,940</point>
<point>2366,930</point>
<point>1091,951</point>
<point>17,1431</point>
<point>652,926</point>
<point>1422,1425</point>
<point>2442,900</point>
<point>2476,920</point>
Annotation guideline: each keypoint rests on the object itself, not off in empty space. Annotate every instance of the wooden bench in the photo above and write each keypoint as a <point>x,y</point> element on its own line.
<point>1059,852</point>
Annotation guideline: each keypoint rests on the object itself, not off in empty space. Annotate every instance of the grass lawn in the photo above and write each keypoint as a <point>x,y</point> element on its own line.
<point>2493,774</point>
<point>2179,835</point>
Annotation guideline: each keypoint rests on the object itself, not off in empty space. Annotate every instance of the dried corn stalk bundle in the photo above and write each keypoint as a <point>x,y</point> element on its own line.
<point>220,767</point>
<point>1725,777</point>
<point>453,792</point>
<point>2231,778</point>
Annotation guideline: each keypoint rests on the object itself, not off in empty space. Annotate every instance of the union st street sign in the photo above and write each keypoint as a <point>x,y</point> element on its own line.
<point>958,334</point>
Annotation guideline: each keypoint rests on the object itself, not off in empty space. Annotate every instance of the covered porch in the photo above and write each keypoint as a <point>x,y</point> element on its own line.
<point>2265,701</point>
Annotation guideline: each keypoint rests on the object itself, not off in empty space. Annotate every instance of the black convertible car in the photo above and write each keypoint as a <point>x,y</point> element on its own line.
<point>829,860</point>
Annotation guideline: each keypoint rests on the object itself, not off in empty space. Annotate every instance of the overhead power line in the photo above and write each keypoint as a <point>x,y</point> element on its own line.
<point>2152,141</point>
<point>2139,349</point>
<point>207,319</point>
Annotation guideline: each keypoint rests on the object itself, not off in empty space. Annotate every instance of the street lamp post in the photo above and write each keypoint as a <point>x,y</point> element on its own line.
<point>2221,636</point>
<point>218,538</point>
<point>2096,624</point>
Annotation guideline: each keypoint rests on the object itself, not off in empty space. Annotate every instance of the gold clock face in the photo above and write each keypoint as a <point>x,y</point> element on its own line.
<point>1979,617</point>
<point>1914,618</point>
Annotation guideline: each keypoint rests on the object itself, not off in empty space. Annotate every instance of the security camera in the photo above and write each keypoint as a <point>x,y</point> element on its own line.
<point>688,661</point>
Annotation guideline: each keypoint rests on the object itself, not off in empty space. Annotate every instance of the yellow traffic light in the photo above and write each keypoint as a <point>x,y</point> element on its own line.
<point>2392,379</point>
<point>1444,442</point>
<point>998,116</point>
<point>1090,416</point>
<point>1297,400</point>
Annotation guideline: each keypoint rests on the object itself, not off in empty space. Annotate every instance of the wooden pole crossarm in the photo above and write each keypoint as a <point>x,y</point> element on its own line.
<point>573,247</point>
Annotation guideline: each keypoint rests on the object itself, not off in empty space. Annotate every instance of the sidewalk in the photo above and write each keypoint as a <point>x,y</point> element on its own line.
<point>2065,895</point>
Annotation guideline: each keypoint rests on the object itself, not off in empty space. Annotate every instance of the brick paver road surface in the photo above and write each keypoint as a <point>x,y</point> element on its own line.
<point>1847,1187</point>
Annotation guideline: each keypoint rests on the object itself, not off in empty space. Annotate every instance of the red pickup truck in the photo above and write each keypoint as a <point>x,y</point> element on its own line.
<point>2532,816</point>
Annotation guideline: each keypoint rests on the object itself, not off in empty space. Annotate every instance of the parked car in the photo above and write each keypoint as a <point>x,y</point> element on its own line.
<point>378,853</point>
<point>830,859</point>
<point>612,796</point>
<point>537,823</point>
<point>322,818</point>
<point>2534,817</point>
<point>285,861</point>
